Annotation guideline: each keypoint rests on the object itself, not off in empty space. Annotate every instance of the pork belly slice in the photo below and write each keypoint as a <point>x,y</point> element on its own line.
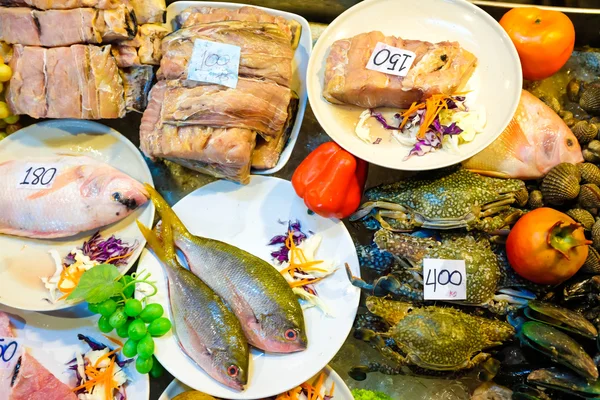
<point>26,91</point>
<point>64,4</point>
<point>221,152</point>
<point>265,49</point>
<point>81,25</point>
<point>144,49</point>
<point>108,83</point>
<point>63,94</point>
<point>137,82</point>
<point>257,105</point>
<point>149,11</point>
<point>201,15</point>
<point>438,68</point>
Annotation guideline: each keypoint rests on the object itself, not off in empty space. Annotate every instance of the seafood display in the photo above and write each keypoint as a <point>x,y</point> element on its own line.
<point>143,49</point>
<point>62,196</point>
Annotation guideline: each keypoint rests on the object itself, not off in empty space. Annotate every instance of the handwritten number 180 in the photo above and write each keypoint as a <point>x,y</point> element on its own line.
<point>41,176</point>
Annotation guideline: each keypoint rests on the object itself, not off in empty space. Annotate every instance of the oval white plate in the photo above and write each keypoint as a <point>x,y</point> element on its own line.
<point>22,260</point>
<point>247,217</point>
<point>495,84</point>
<point>52,340</point>
<point>341,391</point>
<point>299,66</point>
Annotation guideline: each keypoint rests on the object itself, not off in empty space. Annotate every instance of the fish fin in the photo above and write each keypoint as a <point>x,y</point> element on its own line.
<point>493,174</point>
<point>153,241</point>
<point>165,211</point>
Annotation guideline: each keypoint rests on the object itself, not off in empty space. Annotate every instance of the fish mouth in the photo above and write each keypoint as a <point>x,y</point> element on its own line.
<point>280,347</point>
<point>130,200</point>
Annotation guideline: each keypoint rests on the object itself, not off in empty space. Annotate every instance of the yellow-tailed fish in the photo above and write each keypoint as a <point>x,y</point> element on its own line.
<point>207,331</point>
<point>257,293</point>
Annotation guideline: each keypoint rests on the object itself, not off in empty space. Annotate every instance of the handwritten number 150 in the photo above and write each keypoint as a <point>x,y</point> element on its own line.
<point>8,351</point>
<point>384,56</point>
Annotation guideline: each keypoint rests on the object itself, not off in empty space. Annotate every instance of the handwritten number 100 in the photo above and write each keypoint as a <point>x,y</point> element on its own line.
<point>443,278</point>
<point>384,55</point>
<point>40,175</point>
<point>5,351</point>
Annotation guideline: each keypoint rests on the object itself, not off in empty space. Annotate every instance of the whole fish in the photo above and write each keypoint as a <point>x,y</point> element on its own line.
<point>536,140</point>
<point>258,294</point>
<point>207,331</point>
<point>64,195</point>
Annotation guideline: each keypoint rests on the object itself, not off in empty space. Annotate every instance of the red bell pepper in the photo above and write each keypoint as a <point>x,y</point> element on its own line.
<point>331,181</point>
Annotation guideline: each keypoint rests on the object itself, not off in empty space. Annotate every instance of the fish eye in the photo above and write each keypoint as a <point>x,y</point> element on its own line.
<point>291,334</point>
<point>233,371</point>
<point>569,142</point>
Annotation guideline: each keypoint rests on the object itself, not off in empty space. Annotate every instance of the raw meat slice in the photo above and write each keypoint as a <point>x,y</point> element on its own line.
<point>90,109</point>
<point>265,49</point>
<point>149,11</point>
<point>63,94</point>
<point>137,82</point>
<point>64,4</point>
<point>438,68</point>
<point>201,15</point>
<point>144,49</point>
<point>221,152</point>
<point>108,83</point>
<point>26,91</point>
<point>125,56</point>
<point>81,25</point>
<point>257,105</point>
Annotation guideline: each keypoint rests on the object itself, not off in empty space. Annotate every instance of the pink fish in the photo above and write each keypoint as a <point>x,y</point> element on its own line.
<point>62,196</point>
<point>536,140</point>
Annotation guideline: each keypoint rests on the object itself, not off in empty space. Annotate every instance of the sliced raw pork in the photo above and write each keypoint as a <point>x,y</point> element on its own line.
<point>149,11</point>
<point>144,49</point>
<point>65,4</point>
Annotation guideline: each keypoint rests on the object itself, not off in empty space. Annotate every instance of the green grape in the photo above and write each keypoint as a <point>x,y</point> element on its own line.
<point>118,319</point>
<point>143,365</point>
<point>130,348</point>
<point>93,308</point>
<point>145,347</point>
<point>128,292</point>
<point>151,312</point>
<point>104,325</point>
<point>157,369</point>
<point>107,308</point>
<point>133,307</point>
<point>159,327</point>
<point>137,329</point>
<point>123,330</point>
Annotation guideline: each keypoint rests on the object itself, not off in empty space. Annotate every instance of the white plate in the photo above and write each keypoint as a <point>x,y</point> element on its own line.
<point>22,260</point>
<point>52,340</point>
<point>247,217</point>
<point>495,84</point>
<point>341,391</point>
<point>299,66</point>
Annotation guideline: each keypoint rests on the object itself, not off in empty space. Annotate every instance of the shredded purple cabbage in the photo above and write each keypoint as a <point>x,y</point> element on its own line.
<point>94,345</point>
<point>100,250</point>
<point>379,117</point>
<point>298,236</point>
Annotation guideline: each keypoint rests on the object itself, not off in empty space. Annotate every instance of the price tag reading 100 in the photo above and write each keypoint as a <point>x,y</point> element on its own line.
<point>444,279</point>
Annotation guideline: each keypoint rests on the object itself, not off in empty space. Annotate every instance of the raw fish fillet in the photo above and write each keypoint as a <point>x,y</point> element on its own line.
<point>221,152</point>
<point>81,25</point>
<point>438,68</point>
<point>137,82</point>
<point>202,15</point>
<point>86,194</point>
<point>536,140</point>
<point>143,49</point>
<point>265,49</point>
<point>32,381</point>
<point>149,11</point>
<point>64,4</point>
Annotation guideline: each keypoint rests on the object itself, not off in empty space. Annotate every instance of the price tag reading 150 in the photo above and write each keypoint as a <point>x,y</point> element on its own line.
<point>10,351</point>
<point>391,60</point>
<point>444,279</point>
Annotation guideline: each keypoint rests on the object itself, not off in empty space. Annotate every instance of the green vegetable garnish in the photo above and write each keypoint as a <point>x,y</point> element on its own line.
<point>363,394</point>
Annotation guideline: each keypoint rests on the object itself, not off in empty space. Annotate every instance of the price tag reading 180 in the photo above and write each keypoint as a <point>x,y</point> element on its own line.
<point>10,351</point>
<point>391,60</point>
<point>37,176</point>
<point>444,279</point>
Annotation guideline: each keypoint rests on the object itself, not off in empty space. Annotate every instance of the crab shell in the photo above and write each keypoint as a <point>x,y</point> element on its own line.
<point>459,199</point>
<point>436,338</point>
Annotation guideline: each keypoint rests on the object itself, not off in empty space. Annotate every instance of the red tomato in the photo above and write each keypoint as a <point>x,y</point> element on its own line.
<point>544,39</point>
<point>546,246</point>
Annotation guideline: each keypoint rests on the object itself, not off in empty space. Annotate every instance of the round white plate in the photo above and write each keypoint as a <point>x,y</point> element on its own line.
<point>341,391</point>
<point>495,84</point>
<point>52,340</point>
<point>248,217</point>
<point>22,260</point>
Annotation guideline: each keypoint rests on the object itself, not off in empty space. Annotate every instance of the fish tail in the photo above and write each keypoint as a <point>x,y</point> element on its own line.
<point>164,249</point>
<point>165,211</point>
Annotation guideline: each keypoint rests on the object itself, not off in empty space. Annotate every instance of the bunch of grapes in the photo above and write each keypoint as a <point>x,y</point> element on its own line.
<point>135,322</point>
<point>8,122</point>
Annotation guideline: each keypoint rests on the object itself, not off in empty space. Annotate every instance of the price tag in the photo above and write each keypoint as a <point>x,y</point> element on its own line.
<point>214,63</point>
<point>391,60</point>
<point>37,176</point>
<point>444,279</point>
<point>10,351</point>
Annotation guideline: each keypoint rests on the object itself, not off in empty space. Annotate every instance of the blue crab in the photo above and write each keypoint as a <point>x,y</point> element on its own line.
<point>459,199</point>
<point>400,256</point>
<point>433,338</point>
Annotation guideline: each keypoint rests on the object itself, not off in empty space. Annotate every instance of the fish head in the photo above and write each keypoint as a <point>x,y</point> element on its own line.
<point>127,191</point>
<point>284,333</point>
<point>570,150</point>
<point>231,367</point>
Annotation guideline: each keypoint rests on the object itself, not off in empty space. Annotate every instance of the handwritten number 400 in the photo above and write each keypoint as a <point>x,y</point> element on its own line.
<point>8,351</point>
<point>443,278</point>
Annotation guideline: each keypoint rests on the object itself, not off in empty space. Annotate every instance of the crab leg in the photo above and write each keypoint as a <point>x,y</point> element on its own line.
<point>366,208</point>
<point>360,372</point>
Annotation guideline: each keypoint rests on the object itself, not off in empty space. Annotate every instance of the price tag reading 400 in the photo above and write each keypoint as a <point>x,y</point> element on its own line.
<point>391,60</point>
<point>10,351</point>
<point>214,63</point>
<point>444,279</point>
<point>38,176</point>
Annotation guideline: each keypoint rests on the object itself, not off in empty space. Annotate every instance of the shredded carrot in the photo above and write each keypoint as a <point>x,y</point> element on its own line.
<point>332,390</point>
<point>298,262</point>
<point>110,260</point>
<point>304,282</point>
<point>105,356</point>
<point>115,341</point>
<point>98,377</point>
